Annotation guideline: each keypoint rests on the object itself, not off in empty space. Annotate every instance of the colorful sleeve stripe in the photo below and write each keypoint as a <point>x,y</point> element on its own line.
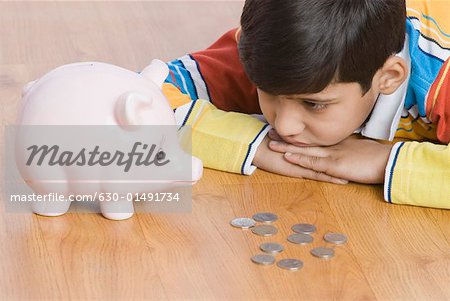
<point>247,167</point>
<point>433,19</point>
<point>183,113</point>
<point>429,28</point>
<point>181,78</point>
<point>430,44</point>
<point>389,173</point>
<point>184,73</point>
<point>426,61</point>
<point>200,85</point>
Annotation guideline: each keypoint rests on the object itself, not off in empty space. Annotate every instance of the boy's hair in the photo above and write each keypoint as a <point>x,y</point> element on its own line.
<point>301,46</point>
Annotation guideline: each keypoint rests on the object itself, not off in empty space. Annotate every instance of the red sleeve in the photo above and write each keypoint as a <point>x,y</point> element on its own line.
<point>228,86</point>
<point>438,103</point>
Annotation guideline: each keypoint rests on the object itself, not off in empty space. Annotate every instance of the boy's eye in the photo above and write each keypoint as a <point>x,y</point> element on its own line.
<point>315,106</point>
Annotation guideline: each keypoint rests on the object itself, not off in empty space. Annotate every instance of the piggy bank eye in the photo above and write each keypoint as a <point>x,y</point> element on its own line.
<point>161,155</point>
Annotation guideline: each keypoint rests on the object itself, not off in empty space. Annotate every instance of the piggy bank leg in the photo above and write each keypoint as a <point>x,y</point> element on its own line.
<point>117,210</point>
<point>53,201</point>
<point>50,208</point>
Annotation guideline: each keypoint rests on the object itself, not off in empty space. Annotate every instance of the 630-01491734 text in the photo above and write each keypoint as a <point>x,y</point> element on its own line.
<point>102,197</point>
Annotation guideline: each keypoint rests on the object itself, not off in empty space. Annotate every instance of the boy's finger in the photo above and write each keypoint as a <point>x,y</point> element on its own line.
<point>318,164</point>
<point>282,147</point>
<point>290,169</point>
<point>320,176</point>
<point>323,177</point>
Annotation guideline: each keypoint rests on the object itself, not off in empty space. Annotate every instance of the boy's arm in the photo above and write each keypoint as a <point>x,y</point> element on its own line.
<point>418,174</point>
<point>223,140</point>
<point>413,173</point>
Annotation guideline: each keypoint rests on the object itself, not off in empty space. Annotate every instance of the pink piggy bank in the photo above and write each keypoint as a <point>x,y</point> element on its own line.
<point>143,149</point>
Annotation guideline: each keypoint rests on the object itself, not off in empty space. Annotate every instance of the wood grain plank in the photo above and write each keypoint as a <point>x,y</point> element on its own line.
<point>99,257</point>
<point>401,250</point>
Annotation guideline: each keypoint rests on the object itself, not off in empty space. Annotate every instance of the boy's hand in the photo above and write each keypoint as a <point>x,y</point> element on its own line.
<point>272,161</point>
<point>353,159</point>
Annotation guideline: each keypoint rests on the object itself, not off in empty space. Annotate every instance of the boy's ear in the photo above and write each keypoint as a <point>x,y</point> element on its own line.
<point>393,73</point>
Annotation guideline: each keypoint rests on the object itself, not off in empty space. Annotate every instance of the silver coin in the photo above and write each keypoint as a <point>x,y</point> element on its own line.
<point>323,252</point>
<point>300,238</point>
<point>264,230</point>
<point>243,222</point>
<point>335,238</point>
<point>265,217</point>
<point>304,228</point>
<point>264,259</point>
<point>290,264</point>
<point>271,247</point>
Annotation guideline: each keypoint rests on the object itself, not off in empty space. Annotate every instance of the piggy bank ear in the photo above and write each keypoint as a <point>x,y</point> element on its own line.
<point>157,71</point>
<point>27,87</point>
<point>129,107</point>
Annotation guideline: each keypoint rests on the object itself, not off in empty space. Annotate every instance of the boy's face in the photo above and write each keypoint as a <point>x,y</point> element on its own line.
<point>320,119</point>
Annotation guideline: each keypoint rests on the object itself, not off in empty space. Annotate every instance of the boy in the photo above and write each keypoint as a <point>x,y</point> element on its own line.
<point>319,71</point>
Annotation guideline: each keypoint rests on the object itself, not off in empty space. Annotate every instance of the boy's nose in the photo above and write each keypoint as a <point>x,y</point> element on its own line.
<point>286,127</point>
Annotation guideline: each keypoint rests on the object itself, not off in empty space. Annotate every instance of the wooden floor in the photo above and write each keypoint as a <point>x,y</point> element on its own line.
<point>393,252</point>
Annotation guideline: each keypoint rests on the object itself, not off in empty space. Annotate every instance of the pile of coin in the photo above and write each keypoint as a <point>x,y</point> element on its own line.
<point>302,236</point>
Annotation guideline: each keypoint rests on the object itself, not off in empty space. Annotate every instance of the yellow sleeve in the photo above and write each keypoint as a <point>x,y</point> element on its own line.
<point>418,174</point>
<point>223,140</point>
